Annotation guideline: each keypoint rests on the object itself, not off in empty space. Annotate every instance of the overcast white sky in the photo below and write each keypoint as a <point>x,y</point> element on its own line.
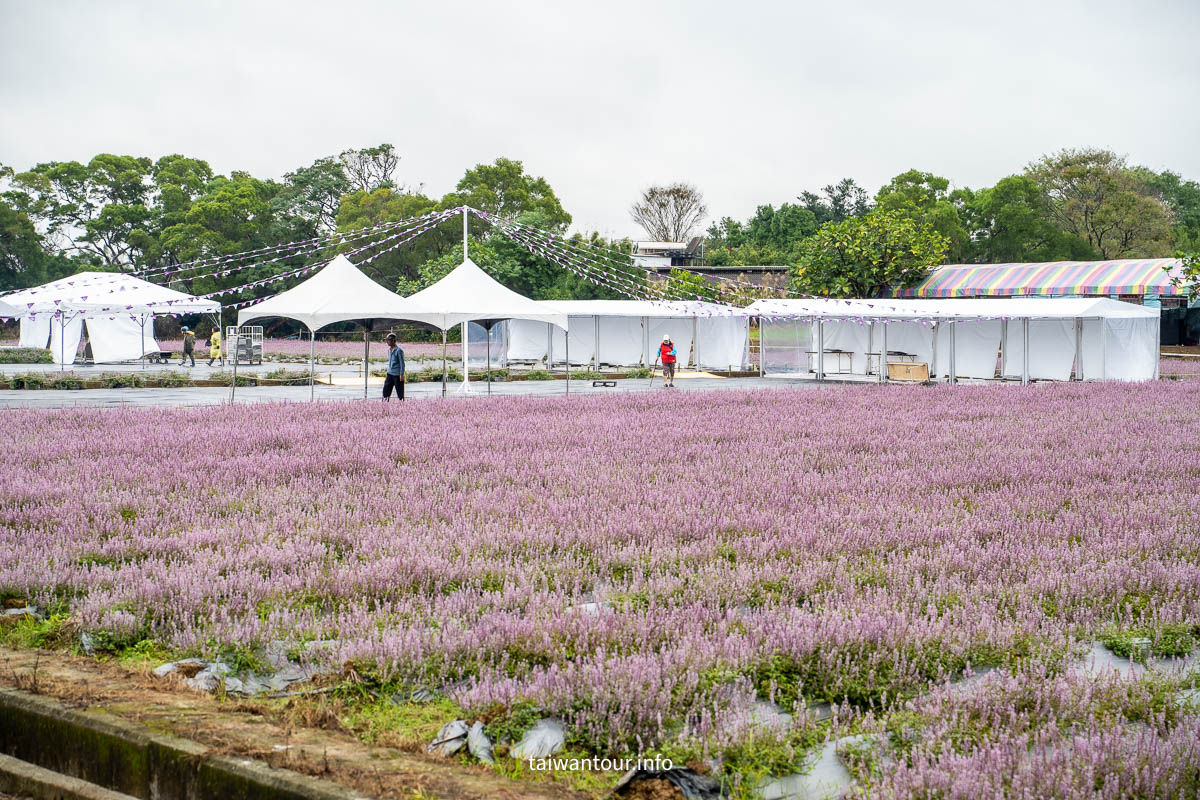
<point>752,101</point>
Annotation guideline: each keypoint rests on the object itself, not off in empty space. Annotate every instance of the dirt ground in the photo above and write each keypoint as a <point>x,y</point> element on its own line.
<point>293,741</point>
<point>1180,349</point>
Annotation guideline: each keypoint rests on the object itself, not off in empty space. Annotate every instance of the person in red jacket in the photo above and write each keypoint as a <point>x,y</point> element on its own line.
<point>666,352</point>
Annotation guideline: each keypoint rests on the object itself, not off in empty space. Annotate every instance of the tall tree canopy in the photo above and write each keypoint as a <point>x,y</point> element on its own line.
<point>868,256</point>
<point>1095,196</point>
<point>669,213</point>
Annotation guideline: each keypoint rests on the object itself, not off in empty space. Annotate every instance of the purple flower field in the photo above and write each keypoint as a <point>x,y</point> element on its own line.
<point>645,566</point>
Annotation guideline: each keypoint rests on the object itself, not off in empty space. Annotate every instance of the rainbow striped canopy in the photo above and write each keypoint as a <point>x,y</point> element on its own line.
<point>1125,276</point>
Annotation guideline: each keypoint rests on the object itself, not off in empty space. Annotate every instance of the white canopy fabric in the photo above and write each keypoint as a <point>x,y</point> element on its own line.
<point>8,311</point>
<point>468,293</point>
<point>337,293</point>
<point>628,332</point>
<point>106,294</point>
<point>1092,338</point>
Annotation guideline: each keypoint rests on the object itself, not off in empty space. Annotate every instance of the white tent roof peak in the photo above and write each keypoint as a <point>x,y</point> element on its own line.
<point>104,294</point>
<point>468,293</point>
<point>338,292</point>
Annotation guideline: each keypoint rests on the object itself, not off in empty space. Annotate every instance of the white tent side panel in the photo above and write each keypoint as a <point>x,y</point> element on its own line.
<point>724,343</point>
<point>784,344</point>
<point>527,339</point>
<point>64,340</point>
<point>851,337</point>
<point>913,338</point>
<point>976,348</point>
<point>622,340</point>
<point>477,345</point>
<point>1051,349</point>
<point>35,332</point>
<point>1130,349</point>
<point>119,339</point>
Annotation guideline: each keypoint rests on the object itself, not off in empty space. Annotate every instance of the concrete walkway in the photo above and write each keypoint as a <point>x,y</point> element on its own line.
<point>206,396</point>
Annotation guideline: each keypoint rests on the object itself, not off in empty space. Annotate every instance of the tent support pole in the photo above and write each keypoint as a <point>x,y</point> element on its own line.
<point>1025,351</point>
<point>820,348</point>
<point>466,387</point>
<point>1103,348</point>
<point>596,342</point>
<point>953,374</point>
<point>443,363</point>
<point>1157,343</point>
<point>488,331</point>
<point>465,245</point>
<point>1079,349</point>
<point>646,341</point>
<point>62,343</point>
<point>143,321</point>
<point>366,358</point>
<point>933,370</point>
<point>237,340</point>
<point>695,342</point>
<point>760,344</point>
<point>549,347</point>
<point>568,354</point>
<point>883,350</point>
<point>312,358</point>
<point>1004,348</point>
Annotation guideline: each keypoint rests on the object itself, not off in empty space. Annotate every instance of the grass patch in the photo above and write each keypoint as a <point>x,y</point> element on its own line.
<point>538,375</point>
<point>1138,644</point>
<point>25,355</point>
<point>28,632</point>
<point>587,375</point>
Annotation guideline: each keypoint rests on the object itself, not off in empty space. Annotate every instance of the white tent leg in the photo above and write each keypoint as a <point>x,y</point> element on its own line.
<point>883,353</point>
<point>953,372</point>
<point>1079,348</point>
<point>696,343</point>
<point>933,364</point>
<point>760,344</point>
<point>820,348</point>
<point>568,354</point>
<point>646,341</point>
<point>143,323</point>
<point>443,363</point>
<point>1005,350</point>
<point>312,358</point>
<point>466,384</point>
<point>1025,351</point>
<point>1157,343</point>
<point>236,343</point>
<point>366,359</point>
<point>549,347</point>
<point>488,332</point>
<point>596,346</point>
<point>1103,348</point>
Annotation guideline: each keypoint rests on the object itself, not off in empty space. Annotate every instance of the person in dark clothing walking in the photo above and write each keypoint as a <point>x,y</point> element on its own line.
<point>189,346</point>
<point>395,370</point>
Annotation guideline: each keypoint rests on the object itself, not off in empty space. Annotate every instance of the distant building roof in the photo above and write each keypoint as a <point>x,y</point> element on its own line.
<point>1123,276</point>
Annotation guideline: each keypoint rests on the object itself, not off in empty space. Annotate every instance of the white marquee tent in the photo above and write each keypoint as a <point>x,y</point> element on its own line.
<point>338,292</point>
<point>1090,338</point>
<point>628,332</point>
<point>114,306</point>
<point>468,294</point>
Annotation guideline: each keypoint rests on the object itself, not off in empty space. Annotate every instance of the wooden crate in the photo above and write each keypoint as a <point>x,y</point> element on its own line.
<point>915,371</point>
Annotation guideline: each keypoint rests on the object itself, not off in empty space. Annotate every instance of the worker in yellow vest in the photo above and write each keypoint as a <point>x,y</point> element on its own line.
<point>214,348</point>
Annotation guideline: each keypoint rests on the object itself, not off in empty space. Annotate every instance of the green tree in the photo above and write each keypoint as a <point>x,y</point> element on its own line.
<point>1183,198</point>
<point>98,210</point>
<point>1011,222</point>
<point>370,168</point>
<point>1096,197</point>
<point>841,200</point>
<point>310,197</point>
<point>868,256</point>
<point>925,198</point>
<point>503,188</point>
<point>771,236</point>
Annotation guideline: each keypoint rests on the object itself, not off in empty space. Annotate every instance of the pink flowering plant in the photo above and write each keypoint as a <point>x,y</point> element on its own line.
<point>649,568</point>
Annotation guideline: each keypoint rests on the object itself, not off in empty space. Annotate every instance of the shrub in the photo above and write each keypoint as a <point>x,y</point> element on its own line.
<point>171,379</point>
<point>121,380</point>
<point>64,381</point>
<point>538,375</point>
<point>290,376</point>
<point>226,377</point>
<point>29,380</point>
<point>587,375</point>
<point>638,372</point>
<point>25,355</point>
